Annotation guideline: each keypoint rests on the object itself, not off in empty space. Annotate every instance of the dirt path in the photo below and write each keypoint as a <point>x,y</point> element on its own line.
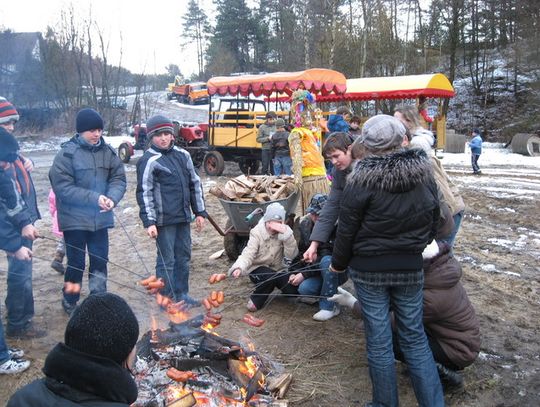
<point>498,245</point>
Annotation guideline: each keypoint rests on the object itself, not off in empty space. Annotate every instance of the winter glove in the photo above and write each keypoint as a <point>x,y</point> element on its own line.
<point>344,298</point>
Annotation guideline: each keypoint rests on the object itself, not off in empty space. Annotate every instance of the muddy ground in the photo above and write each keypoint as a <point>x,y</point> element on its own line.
<point>498,245</point>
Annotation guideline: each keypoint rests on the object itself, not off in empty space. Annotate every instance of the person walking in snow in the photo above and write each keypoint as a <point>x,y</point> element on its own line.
<point>168,191</point>
<point>476,149</point>
<point>88,180</point>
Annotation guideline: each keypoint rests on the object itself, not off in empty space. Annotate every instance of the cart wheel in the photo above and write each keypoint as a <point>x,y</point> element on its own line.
<point>249,167</point>
<point>124,152</point>
<point>233,243</point>
<point>214,164</point>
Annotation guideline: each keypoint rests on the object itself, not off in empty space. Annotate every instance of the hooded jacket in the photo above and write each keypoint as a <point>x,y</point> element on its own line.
<point>449,316</point>
<point>389,213</point>
<point>424,139</point>
<point>336,122</point>
<point>476,144</point>
<point>77,379</point>
<point>168,187</point>
<point>264,249</point>
<point>79,175</point>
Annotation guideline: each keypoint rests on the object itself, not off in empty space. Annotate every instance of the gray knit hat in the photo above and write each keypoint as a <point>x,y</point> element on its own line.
<point>280,123</point>
<point>274,212</point>
<point>382,132</point>
<point>158,124</point>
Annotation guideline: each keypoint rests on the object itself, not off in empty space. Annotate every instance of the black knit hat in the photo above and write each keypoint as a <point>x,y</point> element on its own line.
<point>158,124</point>
<point>88,119</point>
<point>8,146</point>
<point>7,112</point>
<point>103,325</point>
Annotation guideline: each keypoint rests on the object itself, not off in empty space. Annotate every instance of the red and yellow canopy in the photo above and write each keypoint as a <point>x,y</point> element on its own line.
<point>394,87</point>
<point>317,81</point>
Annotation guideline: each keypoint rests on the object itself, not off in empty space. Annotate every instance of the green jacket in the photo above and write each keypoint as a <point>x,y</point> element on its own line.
<point>265,131</point>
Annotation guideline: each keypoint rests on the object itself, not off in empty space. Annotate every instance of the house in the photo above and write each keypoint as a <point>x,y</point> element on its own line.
<point>19,54</point>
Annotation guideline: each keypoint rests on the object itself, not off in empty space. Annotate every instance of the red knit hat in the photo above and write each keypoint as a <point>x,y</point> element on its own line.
<point>7,112</point>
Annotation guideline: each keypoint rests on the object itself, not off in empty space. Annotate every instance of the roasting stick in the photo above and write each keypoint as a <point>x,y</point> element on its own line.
<point>94,255</point>
<point>141,259</point>
<point>95,275</point>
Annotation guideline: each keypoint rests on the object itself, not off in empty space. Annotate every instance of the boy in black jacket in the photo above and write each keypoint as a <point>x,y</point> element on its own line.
<point>168,190</point>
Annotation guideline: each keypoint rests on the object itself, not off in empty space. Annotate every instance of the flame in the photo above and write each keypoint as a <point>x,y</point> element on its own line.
<point>208,328</point>
<point>178,317</point>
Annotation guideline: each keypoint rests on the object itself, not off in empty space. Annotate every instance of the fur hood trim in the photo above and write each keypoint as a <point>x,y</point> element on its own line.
<point>397,172</point>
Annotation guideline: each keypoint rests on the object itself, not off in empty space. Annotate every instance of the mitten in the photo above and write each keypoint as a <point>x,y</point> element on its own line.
<point>343,298</point>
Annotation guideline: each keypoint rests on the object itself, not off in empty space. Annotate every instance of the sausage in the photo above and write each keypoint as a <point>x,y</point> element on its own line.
<point>159,299</point>
<point>165,301</point>
<point>206,304</point>
<point>155,284</point>
<point>148,280</point>
<point>214,303</point>
<point>221,277</point>
<point>212,279</point>
<point>179,375</point>
<point>251,320</point>
<point>213,295</point>
<point>220,297</point>
<point>176,307</point>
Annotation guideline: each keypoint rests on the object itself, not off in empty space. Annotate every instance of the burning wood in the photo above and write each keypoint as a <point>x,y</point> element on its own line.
<point>185,366</point>
<point>255,188</point>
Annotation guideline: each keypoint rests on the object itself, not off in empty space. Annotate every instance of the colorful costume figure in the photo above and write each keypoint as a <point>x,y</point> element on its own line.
<point>305,144</point>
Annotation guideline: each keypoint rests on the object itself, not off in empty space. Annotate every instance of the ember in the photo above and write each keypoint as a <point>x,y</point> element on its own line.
<point>188,365</point>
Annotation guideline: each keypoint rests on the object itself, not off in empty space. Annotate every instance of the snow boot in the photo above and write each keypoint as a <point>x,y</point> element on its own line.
<point>57,262</point>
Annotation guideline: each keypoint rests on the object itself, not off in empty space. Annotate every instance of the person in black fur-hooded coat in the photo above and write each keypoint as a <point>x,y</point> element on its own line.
<point>389,213</point>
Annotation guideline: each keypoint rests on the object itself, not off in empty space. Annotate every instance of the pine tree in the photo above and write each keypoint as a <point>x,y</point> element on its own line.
<point>196,29</point>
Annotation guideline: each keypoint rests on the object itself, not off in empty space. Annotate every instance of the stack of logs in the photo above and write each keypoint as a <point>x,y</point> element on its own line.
<point>255,188</point>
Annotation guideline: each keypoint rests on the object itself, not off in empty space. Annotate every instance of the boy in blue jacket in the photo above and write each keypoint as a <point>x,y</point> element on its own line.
<point>168,191</point>
<point>476,149</point>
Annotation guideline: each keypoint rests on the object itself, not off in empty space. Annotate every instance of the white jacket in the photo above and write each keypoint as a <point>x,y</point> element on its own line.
<point>264,249</point>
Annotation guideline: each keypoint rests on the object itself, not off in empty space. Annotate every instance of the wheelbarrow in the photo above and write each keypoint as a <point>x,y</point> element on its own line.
<point>243,216</point>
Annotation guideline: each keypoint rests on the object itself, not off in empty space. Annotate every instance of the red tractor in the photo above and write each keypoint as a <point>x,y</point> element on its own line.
<point>190,137</point>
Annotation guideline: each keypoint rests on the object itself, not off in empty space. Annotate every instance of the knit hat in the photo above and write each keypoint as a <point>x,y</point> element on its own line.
<point>274,212</point>
<point>382,132</point>
<point>8,146</point>
<point>103,325</point>
<point>271,115</point>
<point>88,119</point>
<point>7,112</point>
<point>280,123</point>
<point>158,124</point>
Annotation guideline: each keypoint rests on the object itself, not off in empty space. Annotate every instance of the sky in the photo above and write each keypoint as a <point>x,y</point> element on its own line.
<point>151,31</point>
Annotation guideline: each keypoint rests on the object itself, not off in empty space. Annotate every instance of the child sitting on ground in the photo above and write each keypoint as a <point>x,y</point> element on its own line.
<point>270,242</point>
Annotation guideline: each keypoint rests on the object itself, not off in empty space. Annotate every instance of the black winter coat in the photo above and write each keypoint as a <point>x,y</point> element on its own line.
<point>77,379</point>
<point>389,213</point>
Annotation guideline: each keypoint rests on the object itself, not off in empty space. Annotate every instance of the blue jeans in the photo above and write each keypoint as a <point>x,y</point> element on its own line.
<point>173,256</point>
<point>474,162</point>
<point>282,165</point>
<point>97,244</point>
<point>458,217</point>
<point>20,298</point>
<point>4,354</point>
<point>406,302</point>
<point>266,160</point>
<point>324,285</point>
